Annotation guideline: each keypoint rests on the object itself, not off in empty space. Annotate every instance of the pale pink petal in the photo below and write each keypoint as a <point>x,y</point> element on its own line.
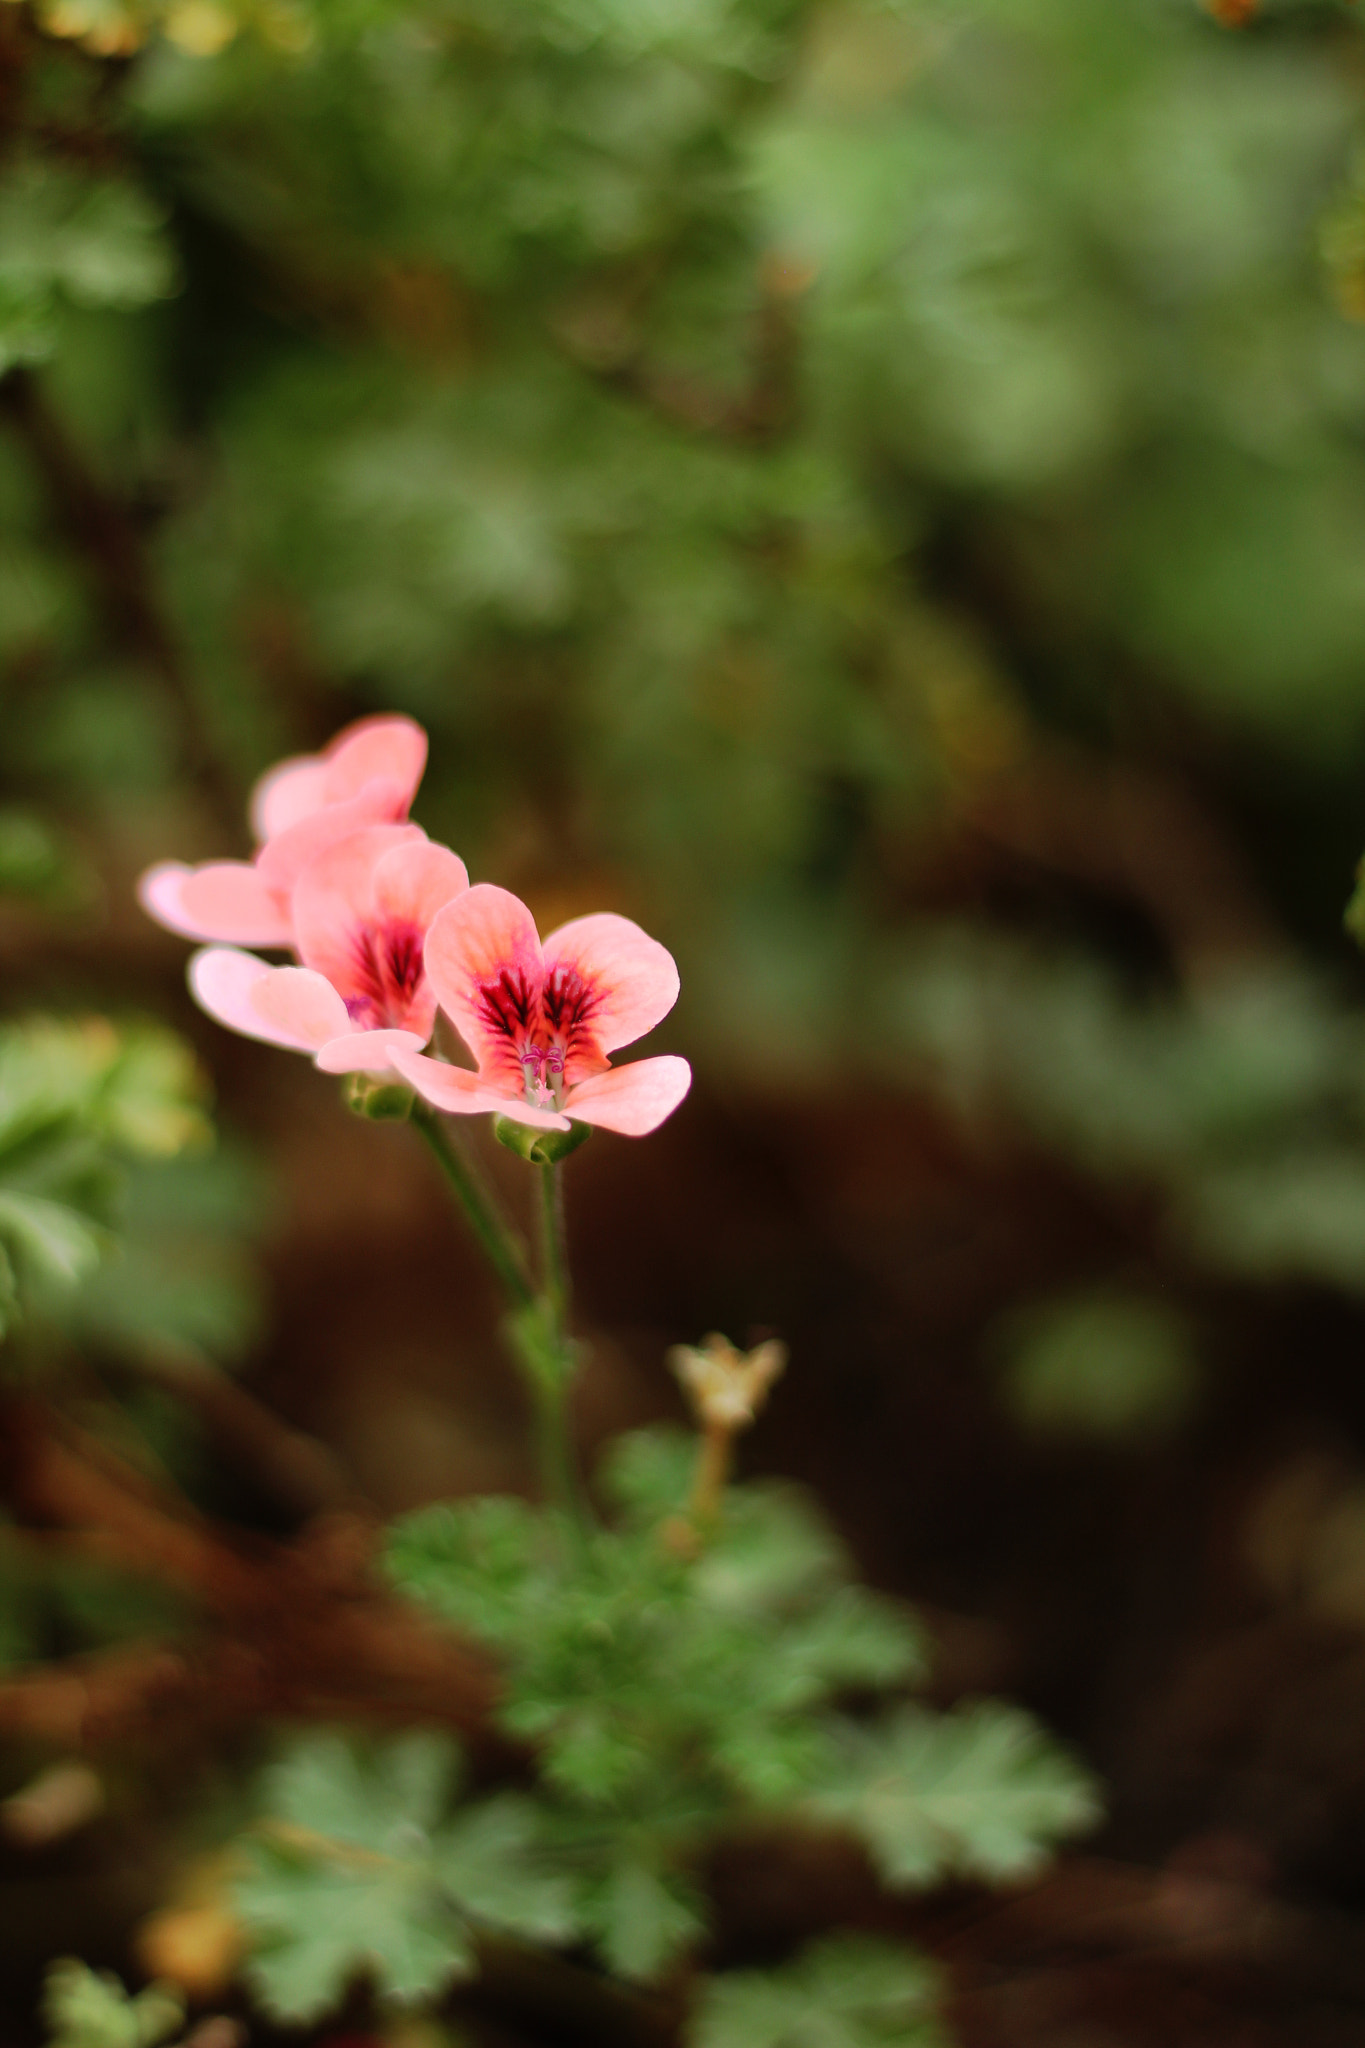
<point>223,899</point>
<point>461,1093</point>
<point>158,891</point>
<point>417,879</point>
<point>302,1003</point>
<point>283,859</point>
<point>631,978</point>
<point>224,982</point>
<point>334,897</point>
<point>633,1100</point>
<point>287,792</point>
<point>366,1052</point>
<point>390,750</point>
<point>485,939</point>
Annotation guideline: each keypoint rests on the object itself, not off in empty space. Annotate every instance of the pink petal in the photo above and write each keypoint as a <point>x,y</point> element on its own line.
<point>415,880</point>
<point>461,1093</point>
<point>483,936</point>
<point>335,896</point>
<point>633,1100</point>
<point>283,859</point>
<point>366,1052</point>
<point>302,1003</point>
<point>224,899</point>
<point>632,977</point>
<point>227,984</point>
<point>389,750</point>
<point>287,792</point>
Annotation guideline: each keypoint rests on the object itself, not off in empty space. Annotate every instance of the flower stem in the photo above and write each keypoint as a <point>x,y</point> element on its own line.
<point>556,1439</point>
<point>712,1471</point>
<point>481,1206</point>
<point>554,1250</point>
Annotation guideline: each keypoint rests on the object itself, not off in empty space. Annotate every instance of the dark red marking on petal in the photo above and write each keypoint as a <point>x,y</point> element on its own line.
<point>507,1004</point>
<point>387,963</point>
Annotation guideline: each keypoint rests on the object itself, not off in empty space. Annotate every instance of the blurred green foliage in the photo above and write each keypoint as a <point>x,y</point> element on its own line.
<point>675,1691</point>
<point>760,438</point>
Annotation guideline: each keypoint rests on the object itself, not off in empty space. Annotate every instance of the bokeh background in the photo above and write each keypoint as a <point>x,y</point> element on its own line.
<point>875,490</point>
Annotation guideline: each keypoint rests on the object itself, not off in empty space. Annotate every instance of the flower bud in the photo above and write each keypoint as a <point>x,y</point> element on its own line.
<point>726,1388</point>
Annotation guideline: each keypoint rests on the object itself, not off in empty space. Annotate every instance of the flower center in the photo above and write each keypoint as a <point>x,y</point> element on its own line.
<point>543,1027</point>
<point>387,961</point>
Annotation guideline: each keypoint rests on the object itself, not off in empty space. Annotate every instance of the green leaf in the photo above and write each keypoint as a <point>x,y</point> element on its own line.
<point>849,1992</point>
<point>643,1919</point>
<point>1104,1365</point>
<point>481,1564</point>
<point>647,1474</point>
<point>494,1862</point>
<point>52,1242</point>
<point>981,1792</point>
<point>382,1800</point>
<point>86,2008</point>
<point>318,1922</point>
<point>773,1548</point>
<point>347,1882</point>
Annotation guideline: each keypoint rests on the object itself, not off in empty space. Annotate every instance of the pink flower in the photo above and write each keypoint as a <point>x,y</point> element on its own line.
<point>541,1021</point>
<point>360,913</point>
<point>368,775</point>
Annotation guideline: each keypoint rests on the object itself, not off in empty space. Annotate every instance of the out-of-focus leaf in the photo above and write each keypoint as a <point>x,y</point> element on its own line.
<point>1109,1365</point>
<point>847,1992</point>
<point>981,1792</point>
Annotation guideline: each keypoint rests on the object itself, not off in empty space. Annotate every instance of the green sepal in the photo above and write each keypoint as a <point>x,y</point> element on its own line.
<point>387,1102</point>
<point>542,1148</point>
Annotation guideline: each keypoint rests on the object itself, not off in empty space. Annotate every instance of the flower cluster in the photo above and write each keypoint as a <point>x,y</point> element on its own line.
<point>385,929</point>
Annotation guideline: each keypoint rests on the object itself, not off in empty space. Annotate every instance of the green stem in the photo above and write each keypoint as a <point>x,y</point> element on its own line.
<point>556,1440</point>
<point>555,1251</point>
<point>480,1205</point>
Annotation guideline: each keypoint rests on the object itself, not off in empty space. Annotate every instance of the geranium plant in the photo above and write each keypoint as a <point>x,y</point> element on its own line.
<point>680,1658</point>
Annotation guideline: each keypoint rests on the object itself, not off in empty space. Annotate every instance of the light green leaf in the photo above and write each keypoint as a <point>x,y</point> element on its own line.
<point>86,2008</point>
<point>849,1992</point>
<point>318,1922</point>
<point>385,1801</point>
<point>643,1921</point>
<point>981,1792</point>
<point>57,1245</point>
<point>493,1861</point>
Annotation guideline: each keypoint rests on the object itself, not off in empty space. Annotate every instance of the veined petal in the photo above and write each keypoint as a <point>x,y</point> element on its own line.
<point>225,982</point>
<point>483,961</point>
<point>366,1052</point>
<point>224,899</point>
<point>335,896</point>
<point>631,979</point>
<point>461,1093</point>
<point>633,1100</point>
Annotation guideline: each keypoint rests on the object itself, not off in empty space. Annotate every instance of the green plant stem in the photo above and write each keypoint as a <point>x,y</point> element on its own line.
<point>555,1252</point>
<point>556,1439</point>
<point>712,1471</point>
<point>480,1205</point>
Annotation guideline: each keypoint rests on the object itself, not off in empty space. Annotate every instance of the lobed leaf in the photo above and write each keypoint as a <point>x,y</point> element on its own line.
<point>982,1792</point>
<point>848,1992</point>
